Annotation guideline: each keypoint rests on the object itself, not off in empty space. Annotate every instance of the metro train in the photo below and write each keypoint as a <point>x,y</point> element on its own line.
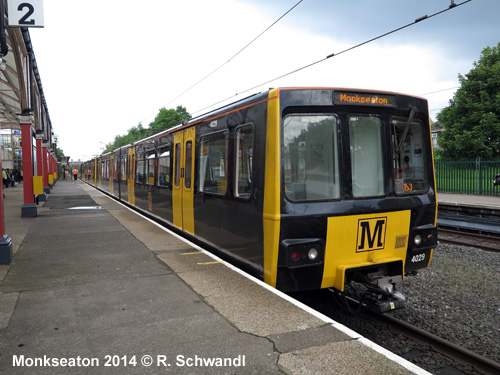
<point>304,188</point>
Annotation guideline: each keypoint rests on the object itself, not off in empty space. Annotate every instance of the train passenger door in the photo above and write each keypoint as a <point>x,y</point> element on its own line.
<point>131,175</point>
<point>183,184</point>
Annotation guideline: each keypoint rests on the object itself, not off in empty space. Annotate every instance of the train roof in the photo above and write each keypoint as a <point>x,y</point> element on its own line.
<point>254,99</point>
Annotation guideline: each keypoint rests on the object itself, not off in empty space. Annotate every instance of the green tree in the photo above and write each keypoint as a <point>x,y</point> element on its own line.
<point>165,119</point>
<point>472,119</point>
<point>59,154</point>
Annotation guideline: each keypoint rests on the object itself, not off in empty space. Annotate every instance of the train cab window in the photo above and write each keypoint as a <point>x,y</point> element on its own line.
<point>150,168</point>
<point>409,157</point>
<point>310,157</point>
<point>365,133</point>
<point>177,181</point>
<point>164,168</point>
<point>244,155</point>
<point>213,156</point>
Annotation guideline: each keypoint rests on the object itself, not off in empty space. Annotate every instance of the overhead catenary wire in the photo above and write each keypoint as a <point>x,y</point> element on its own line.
<point>418,20</point>
<point>435,92</point>
<point>236,54</point>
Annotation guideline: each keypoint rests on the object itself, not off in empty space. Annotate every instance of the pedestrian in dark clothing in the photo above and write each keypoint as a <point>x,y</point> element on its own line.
<point>10,176</point>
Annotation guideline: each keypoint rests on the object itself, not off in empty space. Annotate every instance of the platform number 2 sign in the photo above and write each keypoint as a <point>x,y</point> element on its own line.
<point>25,13</point>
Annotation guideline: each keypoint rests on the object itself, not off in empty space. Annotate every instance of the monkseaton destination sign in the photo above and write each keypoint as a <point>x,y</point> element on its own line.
<point>357,98</point>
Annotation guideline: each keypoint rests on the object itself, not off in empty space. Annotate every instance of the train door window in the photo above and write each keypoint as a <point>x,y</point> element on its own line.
<point>365,133</point>
<point>189,159</point>
<point>132,168</point>
<point>310,157</point>
<point>213,157</point>
<point>164,168</point>
<point>150,172</point>
<point>177,165</point>
<point>409,156</point>
<point>244,156</point>
<point>128,168</point>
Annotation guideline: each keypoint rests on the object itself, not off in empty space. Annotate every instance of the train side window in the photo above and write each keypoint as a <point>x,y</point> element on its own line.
<point>150,168</point>
<point>244,161</point>
<point>164,168</point>
<point>177,180</point>
<point>365,133</point>
<point>310,157</point>
<point>115,169</point>
<point>140,174</point>
<point>124,168</point>
<point>409,156</point>
<point>103,169</point>
<point>213,165</point>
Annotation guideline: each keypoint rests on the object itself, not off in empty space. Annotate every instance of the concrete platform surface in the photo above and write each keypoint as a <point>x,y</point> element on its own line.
<point>486,201</point>
<point>95,288</point>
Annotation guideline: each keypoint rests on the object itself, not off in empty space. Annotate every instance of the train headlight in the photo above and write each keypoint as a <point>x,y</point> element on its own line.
<point>417,240</point>
<point>424,236</point>
<point>301,252</point>
<point>312,254</point>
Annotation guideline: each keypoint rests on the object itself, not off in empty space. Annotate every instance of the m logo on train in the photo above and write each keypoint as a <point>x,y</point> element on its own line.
<point>371,234</point>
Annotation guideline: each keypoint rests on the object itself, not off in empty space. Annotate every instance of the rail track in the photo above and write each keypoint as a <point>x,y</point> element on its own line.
<point>457,353</point>
<point>469,226</point>
<point>477,240</point>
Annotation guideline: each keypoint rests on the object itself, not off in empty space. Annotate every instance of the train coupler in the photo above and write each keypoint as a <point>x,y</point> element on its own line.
<point>382,295</point>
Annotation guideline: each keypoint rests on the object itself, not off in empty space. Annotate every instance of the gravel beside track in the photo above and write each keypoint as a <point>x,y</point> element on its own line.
<point>456,298</point>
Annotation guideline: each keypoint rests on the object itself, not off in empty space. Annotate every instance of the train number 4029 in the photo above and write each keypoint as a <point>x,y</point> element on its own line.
<point>418,258</point>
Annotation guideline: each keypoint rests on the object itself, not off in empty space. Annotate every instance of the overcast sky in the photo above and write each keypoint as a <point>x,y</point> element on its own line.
<point>108,65</point>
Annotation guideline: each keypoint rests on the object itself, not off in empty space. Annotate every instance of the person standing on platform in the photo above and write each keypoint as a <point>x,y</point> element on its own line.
<point>75,173</point>
<point>5,179</point>
<point>10,176</point>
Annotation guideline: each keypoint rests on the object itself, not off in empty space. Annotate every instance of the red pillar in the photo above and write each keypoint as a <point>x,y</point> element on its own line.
<point>5,241</point>
<point>51,169</point>
<point>56,170</point>
<point>29,207</point>
<point>40,167</point>
<point>45,161</point>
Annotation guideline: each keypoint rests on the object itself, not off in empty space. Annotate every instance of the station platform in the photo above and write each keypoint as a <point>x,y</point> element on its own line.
<point>95,288</point>
<point>476,201</point>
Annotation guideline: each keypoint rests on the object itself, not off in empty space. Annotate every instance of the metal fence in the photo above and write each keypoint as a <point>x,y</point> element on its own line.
<point>467,177</point>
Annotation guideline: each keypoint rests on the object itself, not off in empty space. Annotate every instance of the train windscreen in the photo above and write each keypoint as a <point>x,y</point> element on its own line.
<point>311,162</point>
<point>409,156</point>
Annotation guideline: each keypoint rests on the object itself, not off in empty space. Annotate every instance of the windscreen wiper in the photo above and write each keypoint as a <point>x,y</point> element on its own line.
<point>413,113</point>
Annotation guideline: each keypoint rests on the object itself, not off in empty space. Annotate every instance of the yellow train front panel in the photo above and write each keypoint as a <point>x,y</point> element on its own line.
<point>364,240</point>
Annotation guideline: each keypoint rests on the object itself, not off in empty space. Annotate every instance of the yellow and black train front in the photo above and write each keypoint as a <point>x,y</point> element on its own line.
<point>356,198</point>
